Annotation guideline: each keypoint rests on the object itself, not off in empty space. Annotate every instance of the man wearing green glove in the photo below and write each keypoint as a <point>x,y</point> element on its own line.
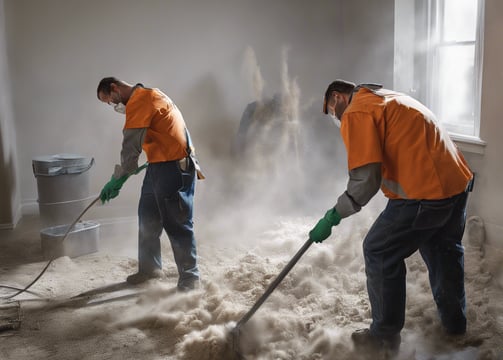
<point>323,228</point>
<point>393,142</point>
<point>112,188</point>
<point>154,124</point>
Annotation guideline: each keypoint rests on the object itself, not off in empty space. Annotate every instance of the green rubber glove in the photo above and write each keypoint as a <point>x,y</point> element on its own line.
<point>112,188</point>
<point>323,228</point>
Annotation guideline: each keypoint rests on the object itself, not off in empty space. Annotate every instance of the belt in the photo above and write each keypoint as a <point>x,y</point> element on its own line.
<point>184,163</point>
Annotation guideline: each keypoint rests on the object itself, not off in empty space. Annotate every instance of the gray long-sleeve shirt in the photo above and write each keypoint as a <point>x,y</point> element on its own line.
<point>131,149</point>
<point>363,184</point>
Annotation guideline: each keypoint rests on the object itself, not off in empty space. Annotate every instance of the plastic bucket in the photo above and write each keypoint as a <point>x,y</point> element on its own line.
<point>81,240</point>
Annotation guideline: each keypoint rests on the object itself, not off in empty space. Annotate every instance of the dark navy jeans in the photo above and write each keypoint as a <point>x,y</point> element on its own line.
<point>166,202</point>
<point>433,227</point>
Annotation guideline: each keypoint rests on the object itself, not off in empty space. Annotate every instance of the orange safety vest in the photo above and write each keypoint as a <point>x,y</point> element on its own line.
<point>419,160</point>
<point>165,139</point>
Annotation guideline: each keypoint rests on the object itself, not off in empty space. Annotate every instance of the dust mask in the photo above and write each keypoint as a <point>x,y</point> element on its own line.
<point>116,102</point>
<point>120,108</point>
<point>336,120</point>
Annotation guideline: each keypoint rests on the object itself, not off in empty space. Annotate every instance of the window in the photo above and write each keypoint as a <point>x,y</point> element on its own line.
<point>438,59</point>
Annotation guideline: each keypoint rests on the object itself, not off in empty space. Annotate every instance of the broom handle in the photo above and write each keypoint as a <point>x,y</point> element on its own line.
<point>274,284</point>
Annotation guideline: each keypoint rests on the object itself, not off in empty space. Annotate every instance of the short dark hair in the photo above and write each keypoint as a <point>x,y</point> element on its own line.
<point>342,86</point>
<point>105,85</point>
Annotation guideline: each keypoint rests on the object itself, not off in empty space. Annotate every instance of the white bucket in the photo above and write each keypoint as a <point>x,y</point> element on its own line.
<point>81,240</point>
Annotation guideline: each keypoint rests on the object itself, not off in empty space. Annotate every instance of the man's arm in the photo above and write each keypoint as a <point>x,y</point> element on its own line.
<point>363,184</point>
<point>131,149</point>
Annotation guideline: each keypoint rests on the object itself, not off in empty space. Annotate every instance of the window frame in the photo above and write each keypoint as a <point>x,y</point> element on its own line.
<point>414,61</point>
<point>435,43</point>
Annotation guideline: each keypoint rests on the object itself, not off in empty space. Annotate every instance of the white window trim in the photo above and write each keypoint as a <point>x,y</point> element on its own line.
<point>474,144</point>
<point>469,143</point>
<point>479,64</point>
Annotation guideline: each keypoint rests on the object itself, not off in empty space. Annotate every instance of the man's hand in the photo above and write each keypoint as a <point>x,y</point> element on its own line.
<point>323,228</point>
<point>112,188</point>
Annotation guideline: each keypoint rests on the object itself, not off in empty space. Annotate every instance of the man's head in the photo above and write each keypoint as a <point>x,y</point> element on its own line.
<point>337,97</point>
<point>114,92</point>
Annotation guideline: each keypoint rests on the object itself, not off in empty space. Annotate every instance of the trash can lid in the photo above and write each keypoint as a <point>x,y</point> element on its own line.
<point>58,158</point>
<point>59,163</point>
<point>68,156</point>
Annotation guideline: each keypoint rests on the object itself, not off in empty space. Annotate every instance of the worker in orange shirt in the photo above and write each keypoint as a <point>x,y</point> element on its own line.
<point>394,143</point>
<point>154,124</point>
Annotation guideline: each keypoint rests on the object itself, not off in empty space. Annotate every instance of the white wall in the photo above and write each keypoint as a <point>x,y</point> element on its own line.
<point>194,50</point>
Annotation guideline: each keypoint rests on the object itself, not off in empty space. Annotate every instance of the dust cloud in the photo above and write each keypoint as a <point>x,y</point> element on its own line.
<point>251,72</point>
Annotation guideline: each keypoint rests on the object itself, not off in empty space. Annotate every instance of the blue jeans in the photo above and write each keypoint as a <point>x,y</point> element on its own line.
<point>435,228</point>
<point>166,202</point>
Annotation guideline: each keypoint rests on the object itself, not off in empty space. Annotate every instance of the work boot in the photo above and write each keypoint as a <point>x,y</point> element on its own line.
<point>141,277</point>
<point>364,339</point>
<point>188,285</point>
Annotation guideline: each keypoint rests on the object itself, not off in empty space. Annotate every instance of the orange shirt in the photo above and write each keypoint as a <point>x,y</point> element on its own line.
<point>419,160</point>
<point>165,139</point>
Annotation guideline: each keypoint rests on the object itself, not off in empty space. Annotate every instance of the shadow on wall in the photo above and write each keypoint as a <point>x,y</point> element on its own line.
<point>267,150</point>
<point>8,190</point>
<point>298,156</point>
<point>283,162</point>
<point>209,122</point>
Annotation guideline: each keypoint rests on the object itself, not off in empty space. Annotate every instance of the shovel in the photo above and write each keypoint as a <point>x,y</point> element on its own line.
<point>235,332</point>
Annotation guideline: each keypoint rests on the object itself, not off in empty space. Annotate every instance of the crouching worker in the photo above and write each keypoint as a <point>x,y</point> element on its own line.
<point>154,124</point>
<point>394,143</point>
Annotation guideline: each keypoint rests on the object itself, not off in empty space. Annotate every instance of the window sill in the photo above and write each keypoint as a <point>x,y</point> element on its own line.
<point>471,144</point>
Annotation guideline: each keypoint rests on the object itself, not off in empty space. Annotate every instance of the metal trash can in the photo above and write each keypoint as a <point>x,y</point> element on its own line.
<point>63,187</point>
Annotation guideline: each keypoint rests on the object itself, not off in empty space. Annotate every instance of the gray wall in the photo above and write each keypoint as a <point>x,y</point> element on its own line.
<point>10,211</point>
<point>487,198</point>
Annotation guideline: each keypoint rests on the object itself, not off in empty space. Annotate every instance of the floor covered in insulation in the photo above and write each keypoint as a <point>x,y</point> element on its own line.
<point>81,308</point>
